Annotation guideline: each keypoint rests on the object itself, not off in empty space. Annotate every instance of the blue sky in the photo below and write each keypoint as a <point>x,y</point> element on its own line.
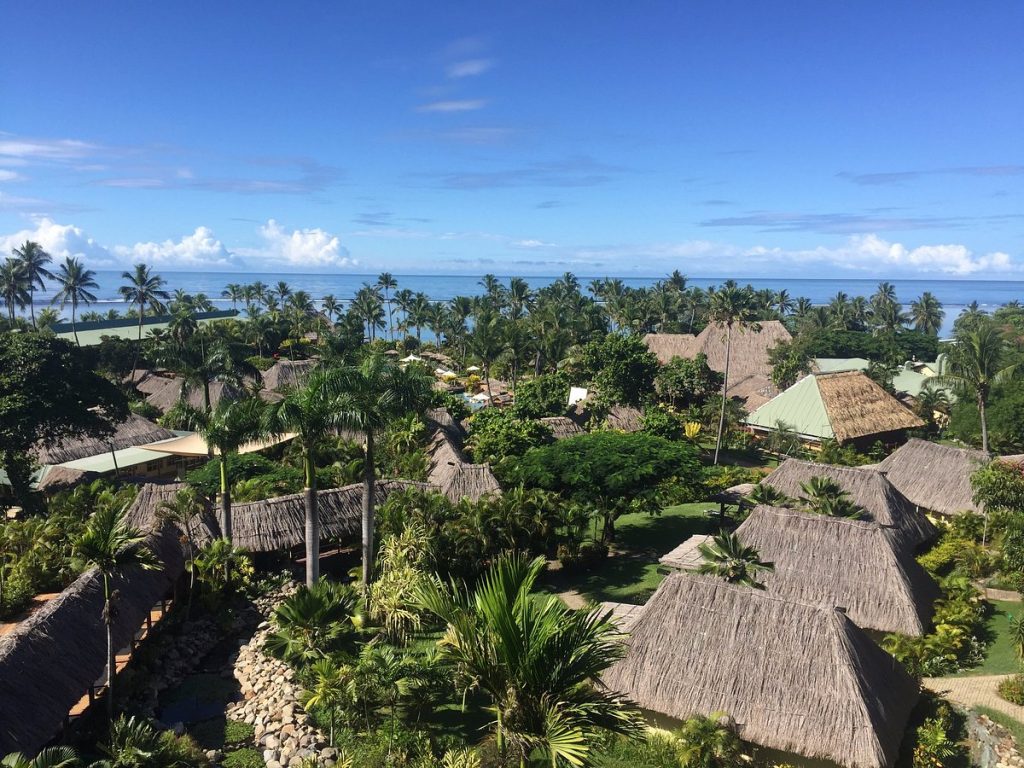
<point>872,139</point>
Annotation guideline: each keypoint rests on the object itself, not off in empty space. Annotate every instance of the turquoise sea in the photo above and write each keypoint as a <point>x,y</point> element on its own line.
<point>954,294</point>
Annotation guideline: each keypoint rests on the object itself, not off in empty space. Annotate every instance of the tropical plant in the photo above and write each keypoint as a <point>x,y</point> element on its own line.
<point>825,496</point>
<point>926,313</point>
<point>402,560</point>
<point>707,742</point>
<point>113,547</point>
<point>314,622</point>
<point>14,287</point>
<point>976,360</point>
<point>730,307</point>
<point>48,757</point>
<point>328,690</point>
<point>143,288</point>
<point>75,284</point>
<point>34,261</point>
<point>182,511</point>
<point>535,660</point>
<point>368,397</point>
<point>729,559</point>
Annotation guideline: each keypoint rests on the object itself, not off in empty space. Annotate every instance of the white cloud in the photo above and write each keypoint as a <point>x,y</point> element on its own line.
<point>468,68</point>
<point>533,244</point>
<point>60,240</point>
<point>200,249</point>
<point>43,149</point>
<point>455,105</point>
<point>6,175</point>
<point>314,248</point>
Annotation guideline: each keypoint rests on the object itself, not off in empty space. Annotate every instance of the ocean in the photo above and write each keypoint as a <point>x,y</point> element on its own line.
<point>954,294</point>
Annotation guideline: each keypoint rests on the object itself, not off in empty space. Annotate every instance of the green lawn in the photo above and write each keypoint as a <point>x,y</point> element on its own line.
<point>632,575</point>
<point>1000,658</point>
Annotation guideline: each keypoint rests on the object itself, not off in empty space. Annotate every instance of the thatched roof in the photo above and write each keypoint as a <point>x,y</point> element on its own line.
<point>841,406</point>
<point>750,371</point>
<point>867,488</point>
<point>453,475</point>
<point>287,373</point>
<point>131,432</point>
<point>561,427</point>
<point>736,494</point>
<point>624,417</point>
<point>795,677</point>
<point>934,477</point>
<point>169,395</point>
<point>280,523</point>
<point>56,478</point>
<point>49,661</point>
<point>687,556</point>
<point>851,564</point>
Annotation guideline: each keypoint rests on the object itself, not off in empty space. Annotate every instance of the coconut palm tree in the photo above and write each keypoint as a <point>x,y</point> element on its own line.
<point>182,512</point>
<point>926,313</point>
<point>310,413</point>
<point>976,361</point>
<point>520,298</point>
<point>49,757</point>
<point>14,287</point>
<point>33,260</point>
<point>226,428</point>
<point>518,345</point>
<point>730,559</point>
<point>386,281</point>
<point>75,287</point>
<point>234,293</point>
<point>369,397</point>
<point>143,287</point>
<point>331,306</point>
<point>730,307</point>
<point>419,314</point>
<point>487,341</point>
<point>112,546</point>
<point>536,661</point>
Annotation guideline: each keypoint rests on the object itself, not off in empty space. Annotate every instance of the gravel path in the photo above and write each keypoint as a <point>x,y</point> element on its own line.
<point>974,692</point>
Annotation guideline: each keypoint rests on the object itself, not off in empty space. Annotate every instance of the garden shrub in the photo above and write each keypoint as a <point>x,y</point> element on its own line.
<point>545,395</point>
<point>243,758</point>
<point>1012,689</point>
<point>237,732</point>
<point>496,435</point>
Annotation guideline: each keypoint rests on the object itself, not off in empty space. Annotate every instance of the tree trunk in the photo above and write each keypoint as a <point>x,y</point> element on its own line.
<point>369,491</point>
<point>19,474</point>
<point>138,344</point>
<point>725,389</point>
<point>536,364</point>
<point>984,423</point>
<point>74,329</point>
<point>225,499</point>
<point>312,526</point>
<point>32,307</point>
<point>108,621</point>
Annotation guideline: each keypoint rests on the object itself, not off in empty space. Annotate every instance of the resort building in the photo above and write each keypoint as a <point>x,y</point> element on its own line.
<point>868,489</point>
<point>793,676</point>
<point>908,381</point>
<point>847,407</point>
<point>852,564</point>
<point>934,477</point>
<point>750,370</point>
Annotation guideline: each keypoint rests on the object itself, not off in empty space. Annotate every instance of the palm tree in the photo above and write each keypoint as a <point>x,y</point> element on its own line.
<point>825,496</point>
<point>729,307</point>
<point>226,428</point>
<point>707,742</point>
<point>371,396</point>
<point>520,298</point>
<point>33,260</point>
<point>728,558</point>
<point>331,306</point>
<point>487,341</point>
<point>14,287</point>
<point>112,546</point>
<point>282,290</point>
<point>143,288</point>
<point>519,345</point>
<point>329,690</point>
<point>926,313</point>
<point>49,757</point>
<point>181,511</point>
<point>386,281</point>
<point>234,293</point>
<point>75,285</point>
<point>783,302</point>
<point>976,361</point>
<point>419,313</point>
<point>310,413</point>
<point>536,661</point>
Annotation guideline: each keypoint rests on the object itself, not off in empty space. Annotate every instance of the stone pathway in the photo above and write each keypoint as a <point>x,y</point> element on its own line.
<point>974,692</point>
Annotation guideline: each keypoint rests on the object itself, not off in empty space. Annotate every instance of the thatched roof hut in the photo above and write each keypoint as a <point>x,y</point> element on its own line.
<point>795,677</point>
<point>852,564</point>
<point>750,370</point>
<point>845,406</point>
<point>52,658</point>
<point>867,488</point>
<point>133,431</point>
<point>287,373</point>
<point>561,427</point>
<point>624,418</point>
<point>453,475</point>
<point>934,477</point>
<point>170,394</point>
<point>280,523</point>
<point>687,556</point>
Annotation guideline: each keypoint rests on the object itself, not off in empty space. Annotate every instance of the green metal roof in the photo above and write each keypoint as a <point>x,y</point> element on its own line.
<point>834,364</point>
<point>800,408</point>
<point>128,330</point>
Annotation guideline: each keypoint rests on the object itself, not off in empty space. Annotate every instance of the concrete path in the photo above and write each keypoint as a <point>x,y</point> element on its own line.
<point>975,692</point>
